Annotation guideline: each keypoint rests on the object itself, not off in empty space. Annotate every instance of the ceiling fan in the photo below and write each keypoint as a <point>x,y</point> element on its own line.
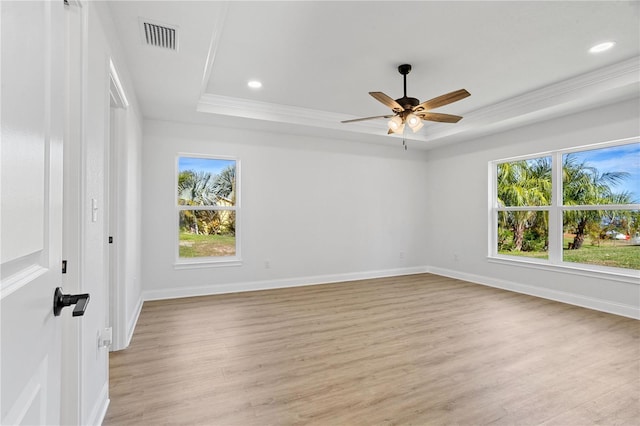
<point>410,111</point>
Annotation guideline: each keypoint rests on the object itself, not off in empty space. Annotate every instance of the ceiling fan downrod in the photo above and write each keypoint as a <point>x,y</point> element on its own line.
<point>404,69</point>
<point>406,102</point>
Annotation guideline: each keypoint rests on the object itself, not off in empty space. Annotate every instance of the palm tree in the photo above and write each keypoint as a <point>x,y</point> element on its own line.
<point>224,185</point>
<point>204,189</point>
<point>195,189</point>
<point>619,220</point>
<point>524,183</point>
<point>586,185</point>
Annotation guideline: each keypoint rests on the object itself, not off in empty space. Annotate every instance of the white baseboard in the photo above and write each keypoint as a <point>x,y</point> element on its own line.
<point>131,326</point>
<point>559,296</point>
<point>99,411</point>
<point>174,293</point>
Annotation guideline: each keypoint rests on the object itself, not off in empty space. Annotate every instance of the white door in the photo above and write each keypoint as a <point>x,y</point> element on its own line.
<point>31,115</point>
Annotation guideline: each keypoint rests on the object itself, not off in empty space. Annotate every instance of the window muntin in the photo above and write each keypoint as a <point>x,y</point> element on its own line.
<point>573,187</point>
<point>207,207</point>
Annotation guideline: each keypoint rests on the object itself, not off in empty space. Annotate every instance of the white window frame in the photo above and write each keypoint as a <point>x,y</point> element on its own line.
<point>556,212</point>
<point>212,261</point>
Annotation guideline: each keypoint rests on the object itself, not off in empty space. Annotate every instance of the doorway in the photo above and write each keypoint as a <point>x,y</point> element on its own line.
<point>114,182</point>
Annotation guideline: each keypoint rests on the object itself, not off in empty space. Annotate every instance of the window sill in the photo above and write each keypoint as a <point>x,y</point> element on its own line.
<point>630,276</point>
<point>207,263</point>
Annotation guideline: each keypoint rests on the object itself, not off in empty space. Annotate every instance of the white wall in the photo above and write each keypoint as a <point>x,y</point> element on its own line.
<point>328,210</point>
<point>126,170</point>
<point>99,46</point>
<point>457,187</point>
<point>317,209</point>
<point>128,235</point>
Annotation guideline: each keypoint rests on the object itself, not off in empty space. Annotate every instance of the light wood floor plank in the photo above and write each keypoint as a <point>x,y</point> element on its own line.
<point>414,350</point>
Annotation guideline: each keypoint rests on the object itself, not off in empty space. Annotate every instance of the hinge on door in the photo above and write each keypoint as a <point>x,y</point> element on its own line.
<point>64,266</point>
<point>110,240</point>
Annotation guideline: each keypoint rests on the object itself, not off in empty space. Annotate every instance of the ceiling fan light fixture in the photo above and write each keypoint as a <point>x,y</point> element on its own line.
<point>413,120</point>
<point>418,126</point>
<point>398,130</point>
<point>396,124</point>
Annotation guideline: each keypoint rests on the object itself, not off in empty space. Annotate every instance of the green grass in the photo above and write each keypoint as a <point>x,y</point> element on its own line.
<point>618,254</point>
<point>195,245</point>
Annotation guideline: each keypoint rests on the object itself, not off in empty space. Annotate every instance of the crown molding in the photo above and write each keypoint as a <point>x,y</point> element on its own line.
<point>258,110</point>
<point>571,95</point>
<point>574,94</point>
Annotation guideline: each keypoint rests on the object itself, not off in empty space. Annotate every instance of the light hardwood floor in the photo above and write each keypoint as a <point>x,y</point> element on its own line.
<point>412,350</point>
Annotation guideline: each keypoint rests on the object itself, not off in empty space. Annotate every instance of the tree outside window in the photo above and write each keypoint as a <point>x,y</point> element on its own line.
<point>524,183</point>
<point>207,207</point>
<point>597,209</point>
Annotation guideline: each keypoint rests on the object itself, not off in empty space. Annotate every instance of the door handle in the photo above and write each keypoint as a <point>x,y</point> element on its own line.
<point>62,300</point>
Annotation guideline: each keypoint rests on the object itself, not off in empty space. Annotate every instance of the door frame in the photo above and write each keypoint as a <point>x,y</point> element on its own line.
<point>73,200</point>
<point>115,187</point>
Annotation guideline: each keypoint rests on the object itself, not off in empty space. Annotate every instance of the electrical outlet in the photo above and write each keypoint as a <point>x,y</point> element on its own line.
<point>267,264</point>
<point>401,255</point>
<point>105,338</point>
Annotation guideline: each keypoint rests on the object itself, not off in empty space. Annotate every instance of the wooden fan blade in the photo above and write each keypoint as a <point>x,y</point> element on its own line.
<point>442,118</point>
<point>388,101</point>
<point>366,118</point>
<point>442,100</point>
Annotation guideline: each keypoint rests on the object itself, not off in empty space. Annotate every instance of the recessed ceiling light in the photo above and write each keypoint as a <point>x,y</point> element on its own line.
<point>254,84</point>
<point>602,47</point>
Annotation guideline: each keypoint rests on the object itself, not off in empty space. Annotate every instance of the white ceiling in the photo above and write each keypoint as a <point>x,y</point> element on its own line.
<point>521,61</point>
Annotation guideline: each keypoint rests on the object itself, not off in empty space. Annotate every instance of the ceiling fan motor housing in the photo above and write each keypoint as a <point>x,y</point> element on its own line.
<point>408,103</point>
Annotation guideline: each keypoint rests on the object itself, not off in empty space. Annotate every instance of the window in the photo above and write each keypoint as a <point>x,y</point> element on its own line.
<point>207,210</point>
<point>524,196</point>
<point>577,207</point>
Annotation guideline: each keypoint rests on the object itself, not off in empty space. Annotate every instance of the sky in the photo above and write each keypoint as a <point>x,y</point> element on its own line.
<point>625,158</point>
<point>212,165</point>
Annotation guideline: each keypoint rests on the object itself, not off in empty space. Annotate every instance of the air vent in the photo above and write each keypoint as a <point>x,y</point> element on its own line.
<point>159,35</point>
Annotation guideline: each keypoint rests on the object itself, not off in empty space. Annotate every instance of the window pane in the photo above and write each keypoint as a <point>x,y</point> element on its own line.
<point>523,233</point>
<point>525,182</point>
<point>206,182</point>
<point>207,233</point>
<point>607,238</point>
<point>602,176</point>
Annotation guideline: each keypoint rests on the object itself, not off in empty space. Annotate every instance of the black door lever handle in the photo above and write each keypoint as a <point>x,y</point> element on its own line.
<point>62,300</point>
